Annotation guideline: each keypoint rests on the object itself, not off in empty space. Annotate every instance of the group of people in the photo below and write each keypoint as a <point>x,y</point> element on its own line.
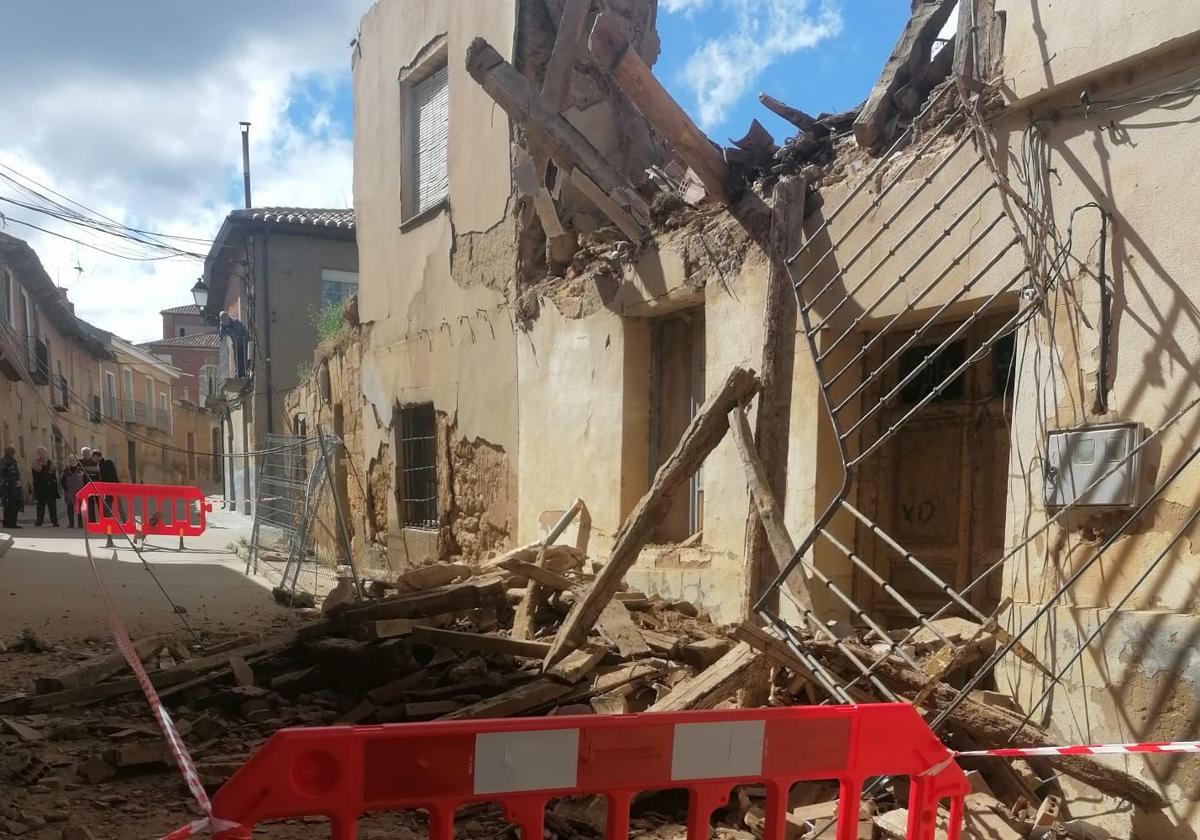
<point>49,484</point>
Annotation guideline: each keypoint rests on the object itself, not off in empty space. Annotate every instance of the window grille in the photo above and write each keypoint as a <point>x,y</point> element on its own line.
<point>418,446</point>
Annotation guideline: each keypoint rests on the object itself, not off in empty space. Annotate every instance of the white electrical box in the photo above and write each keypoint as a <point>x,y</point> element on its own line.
<point>1078,458</point>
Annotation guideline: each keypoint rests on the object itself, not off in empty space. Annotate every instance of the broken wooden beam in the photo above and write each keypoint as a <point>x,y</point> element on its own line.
<point>515,701</point>
<point>457,597</point>
<point>523,620</point>
<point>616,626</point>
<point>795,116</point>
<point>524,105</point>
<point>770,516</point>
<point>612,51</point>
<point>624,221</point>
<point>716,683</point>
<point>556,87</point>
<point>706,430</point>
<point>99,669</point>
<point>991,726</point>
<point>480,642</point>
<point>578,664</point>
<point>907,60</point>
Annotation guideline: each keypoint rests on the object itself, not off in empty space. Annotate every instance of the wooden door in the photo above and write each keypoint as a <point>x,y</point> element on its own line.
<point>938,487</point>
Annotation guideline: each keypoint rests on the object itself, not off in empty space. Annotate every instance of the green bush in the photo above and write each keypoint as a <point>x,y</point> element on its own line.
<point>328,321</point>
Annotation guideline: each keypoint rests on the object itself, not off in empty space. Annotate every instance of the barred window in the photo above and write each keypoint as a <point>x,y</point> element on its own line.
<point>418,467</point>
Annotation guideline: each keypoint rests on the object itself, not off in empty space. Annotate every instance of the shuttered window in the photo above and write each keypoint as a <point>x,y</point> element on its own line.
<point>429,117</point>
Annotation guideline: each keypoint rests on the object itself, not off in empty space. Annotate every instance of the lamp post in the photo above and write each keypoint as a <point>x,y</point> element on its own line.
<point>200,293</point>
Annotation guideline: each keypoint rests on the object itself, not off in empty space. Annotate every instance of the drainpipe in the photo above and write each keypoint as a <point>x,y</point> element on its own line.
<point>246,161</point>
<point>266,260</point>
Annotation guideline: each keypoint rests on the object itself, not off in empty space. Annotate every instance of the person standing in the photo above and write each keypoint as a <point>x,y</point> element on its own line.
<point>239,336</point>
<point>11,499</point>
<point>45,487</point>
<point>87,463</point>
<point>74,477</point>
<point>107,469</point>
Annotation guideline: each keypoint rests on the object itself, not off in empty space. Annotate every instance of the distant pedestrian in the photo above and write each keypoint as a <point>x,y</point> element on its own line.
<point>107,470</point>
<point>74,477</point>
<point>45,487</point>
<point>11,499</point>
<point>87,463</point>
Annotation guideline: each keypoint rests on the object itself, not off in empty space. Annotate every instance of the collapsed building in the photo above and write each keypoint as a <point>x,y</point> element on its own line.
<point>951,334</point>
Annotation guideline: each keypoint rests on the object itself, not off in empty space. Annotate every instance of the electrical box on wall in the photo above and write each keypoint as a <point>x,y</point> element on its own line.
<point>1078,458</point>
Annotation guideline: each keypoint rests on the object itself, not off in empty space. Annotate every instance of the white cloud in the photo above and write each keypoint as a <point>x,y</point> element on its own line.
<point>724,68</point>
<point>686,7</point>
<point>132,109</point>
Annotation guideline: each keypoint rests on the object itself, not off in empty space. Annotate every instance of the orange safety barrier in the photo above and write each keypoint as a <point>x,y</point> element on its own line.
<point>343,773</point>
<point>158,508</point>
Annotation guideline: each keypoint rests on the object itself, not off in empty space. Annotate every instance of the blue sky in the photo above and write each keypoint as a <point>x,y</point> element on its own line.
<point>157,90</point>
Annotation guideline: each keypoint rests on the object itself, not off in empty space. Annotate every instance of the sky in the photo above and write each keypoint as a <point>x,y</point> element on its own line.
<point>131,108</point>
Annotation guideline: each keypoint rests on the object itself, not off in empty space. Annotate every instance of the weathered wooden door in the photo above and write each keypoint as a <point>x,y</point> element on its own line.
<point>939,486</point>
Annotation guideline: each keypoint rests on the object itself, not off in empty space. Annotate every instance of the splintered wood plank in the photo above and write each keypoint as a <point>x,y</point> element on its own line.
<point>480,642</point>
<point>612,51</point>
<point>556,88</point>
<point>716,683</point>
<point>578,664</point>
<point>514,702</point>
<point>706,430</point>
<point>618,628</point>
<point>545,577</point>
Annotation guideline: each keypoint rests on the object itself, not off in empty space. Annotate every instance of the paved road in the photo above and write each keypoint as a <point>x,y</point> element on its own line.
<point>46,583</point>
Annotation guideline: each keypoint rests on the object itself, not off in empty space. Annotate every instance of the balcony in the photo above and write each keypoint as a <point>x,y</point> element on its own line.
<point>162,419</point>
<point>96,414</point>
<point>12,353</point>
<point>135,411</point>
<point>59,394</point>
<point>228,377</point>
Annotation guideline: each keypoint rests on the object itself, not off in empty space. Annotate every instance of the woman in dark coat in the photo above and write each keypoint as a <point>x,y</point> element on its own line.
<point>73,479</point>
<point>11,499</point>
<point>45,486</point>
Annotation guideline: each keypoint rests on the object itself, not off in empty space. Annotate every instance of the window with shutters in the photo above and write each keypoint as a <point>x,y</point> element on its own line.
<point>426,104</point>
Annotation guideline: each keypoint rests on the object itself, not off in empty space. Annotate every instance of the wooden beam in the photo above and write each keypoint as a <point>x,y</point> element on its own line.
<point>515,701</point>
<point>578,664</point>
<point>715,683</point>
<point>706,430</point>
<point>627,224</point>
<point>523,103</point>
<point>612,51</point>
<point>97,670</point>
<point>770,517</point>
<point>991,726</point>
<point>908,58</point>
<point>616,626</point>
<point>773,421</point>
<point>523,620</point>
<point>480,642</point>
<point>477,592</point>
<point>556,87</point>
<point>795,116</point>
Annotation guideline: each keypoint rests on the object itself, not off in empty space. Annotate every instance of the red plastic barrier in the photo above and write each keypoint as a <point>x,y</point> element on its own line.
<point>344,772</point>
<point>160,508</point>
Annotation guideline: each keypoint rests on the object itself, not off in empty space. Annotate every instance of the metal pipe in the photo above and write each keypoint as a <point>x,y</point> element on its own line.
<point>883,584</point>
<point>883,159</point>
<point>914,562</point>
<point>886,223</point>
<point>899,176</point>
<point>246,162</point>
<point>972,359</point>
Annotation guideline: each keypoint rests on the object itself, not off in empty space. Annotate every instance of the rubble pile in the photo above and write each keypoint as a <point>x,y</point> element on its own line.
<point>451,641</point>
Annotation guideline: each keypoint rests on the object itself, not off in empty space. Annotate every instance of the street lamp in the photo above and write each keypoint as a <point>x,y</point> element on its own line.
<point>200,293</point>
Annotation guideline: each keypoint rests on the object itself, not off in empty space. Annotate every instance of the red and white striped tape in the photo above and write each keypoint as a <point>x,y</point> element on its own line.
<point>179,752</point>
<point>1146,747</point>
<point>1094,749</point>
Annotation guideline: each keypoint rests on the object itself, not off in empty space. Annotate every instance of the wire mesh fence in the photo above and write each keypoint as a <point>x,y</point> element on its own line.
<point>292,488</point>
